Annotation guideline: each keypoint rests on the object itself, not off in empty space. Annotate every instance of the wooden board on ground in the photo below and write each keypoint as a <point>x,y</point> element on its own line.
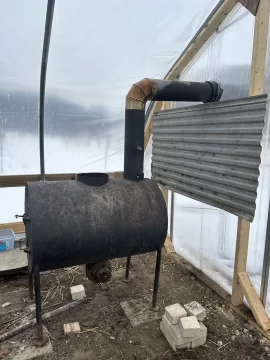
<point>15,298</point>
<point>139,311</point>
<point>12,262</point>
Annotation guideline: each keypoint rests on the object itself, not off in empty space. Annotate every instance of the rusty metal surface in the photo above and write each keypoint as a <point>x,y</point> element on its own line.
<point>211,152</point>
<point>140,93</point>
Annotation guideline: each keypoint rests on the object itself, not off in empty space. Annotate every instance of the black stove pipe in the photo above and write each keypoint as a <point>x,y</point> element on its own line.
<point>156,90</point>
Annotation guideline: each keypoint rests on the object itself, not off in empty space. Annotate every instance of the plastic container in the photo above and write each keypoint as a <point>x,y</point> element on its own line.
<point>7,238</point>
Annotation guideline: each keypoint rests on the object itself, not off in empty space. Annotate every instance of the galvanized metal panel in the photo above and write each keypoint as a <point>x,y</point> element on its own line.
<point>211,152</point>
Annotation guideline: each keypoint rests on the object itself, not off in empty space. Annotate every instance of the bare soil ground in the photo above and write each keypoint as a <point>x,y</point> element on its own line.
<point>107,333</point>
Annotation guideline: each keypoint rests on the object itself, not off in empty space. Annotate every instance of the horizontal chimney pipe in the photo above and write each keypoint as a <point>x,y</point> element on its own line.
<point>156,90</point>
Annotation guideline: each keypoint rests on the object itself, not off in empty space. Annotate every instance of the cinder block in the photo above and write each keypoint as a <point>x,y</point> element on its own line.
<point>171,341</point>
<point>174,313</point>
<point>195,309</point>
<point>72,328</point>
<point>189,326</point>
<point>77,292</point>
<point>202,333</point>
<point>175,332</point>
<point>198,342</point>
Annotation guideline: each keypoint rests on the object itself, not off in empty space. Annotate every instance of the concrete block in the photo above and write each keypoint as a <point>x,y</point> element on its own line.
<point>77,292</point>
<point>28,352</point>
<point>195,309</point>
<point>170,339</point>
<point>202,333</point>
<point>175,332</point>
<point>189,326</point>
<point>72,328</point>
<point>174,313</point>
<point>198,342</point>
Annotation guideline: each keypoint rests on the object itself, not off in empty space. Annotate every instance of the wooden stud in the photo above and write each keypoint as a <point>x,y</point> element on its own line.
<point>256,88</point>
<point>17,227</point>
<point>240,262</point>
<point>168,243</point>
<point>165,195</point>
<point>166,105</point>
<point>251,5</point>
<point>21,180</point>
<point>206,33</point>
<point>254,301</point>
<point>259,52</point>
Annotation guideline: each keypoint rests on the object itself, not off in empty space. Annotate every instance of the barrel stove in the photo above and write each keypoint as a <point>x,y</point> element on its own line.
<point>72,222</point>
<point>93,219</point>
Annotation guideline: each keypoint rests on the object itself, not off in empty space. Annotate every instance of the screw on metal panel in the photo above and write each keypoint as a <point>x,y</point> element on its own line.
<point>139,148</point>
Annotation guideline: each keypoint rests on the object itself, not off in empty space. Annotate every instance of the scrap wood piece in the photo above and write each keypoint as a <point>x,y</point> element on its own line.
<point>254,301</point>
<point>5,304</point>
<point>32,322</point>
<point>72,328</point>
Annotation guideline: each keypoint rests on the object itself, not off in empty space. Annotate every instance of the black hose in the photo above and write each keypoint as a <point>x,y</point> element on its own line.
<point>43,72</point>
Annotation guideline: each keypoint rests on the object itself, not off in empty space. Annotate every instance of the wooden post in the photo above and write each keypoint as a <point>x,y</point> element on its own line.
<point>166,105</point>
<point>256,88</point>
<point>17,227</point>
<point>240,262</point>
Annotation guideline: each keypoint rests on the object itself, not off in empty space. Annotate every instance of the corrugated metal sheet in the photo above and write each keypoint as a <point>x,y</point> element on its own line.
<point>211,152</point>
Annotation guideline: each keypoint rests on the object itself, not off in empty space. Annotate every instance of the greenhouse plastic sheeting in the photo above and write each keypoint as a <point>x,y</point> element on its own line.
<point>98,50</point>
<point>204,235</point>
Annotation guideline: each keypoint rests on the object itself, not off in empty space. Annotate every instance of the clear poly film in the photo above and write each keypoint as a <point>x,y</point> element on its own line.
<point>98,50</point>
<point>204,235</point>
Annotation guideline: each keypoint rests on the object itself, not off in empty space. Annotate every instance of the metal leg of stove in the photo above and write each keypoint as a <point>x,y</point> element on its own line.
<point>127,278</point>
<point>40,334</point>
<point>156,281</point>
<point>30,286</point>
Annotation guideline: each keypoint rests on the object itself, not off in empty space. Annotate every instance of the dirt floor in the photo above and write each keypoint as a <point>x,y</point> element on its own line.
<point>108,334</point>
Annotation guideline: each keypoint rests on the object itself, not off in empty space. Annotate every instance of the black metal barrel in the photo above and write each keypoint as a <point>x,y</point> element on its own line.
<point>71,222</point>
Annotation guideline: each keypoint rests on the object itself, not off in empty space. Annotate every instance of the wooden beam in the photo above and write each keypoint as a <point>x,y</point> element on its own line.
<point>17,227</point>
<point>166,105</point>
<point>254,301</point>
<point>256,88</point>
<point>206,33</point>
<point>165,195</point>
<point>251,5</point>
<point>259,53</point>
<point>168,243</point>
<point>21,180</point>
<point>184,60</point>
<point>240,261</point>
